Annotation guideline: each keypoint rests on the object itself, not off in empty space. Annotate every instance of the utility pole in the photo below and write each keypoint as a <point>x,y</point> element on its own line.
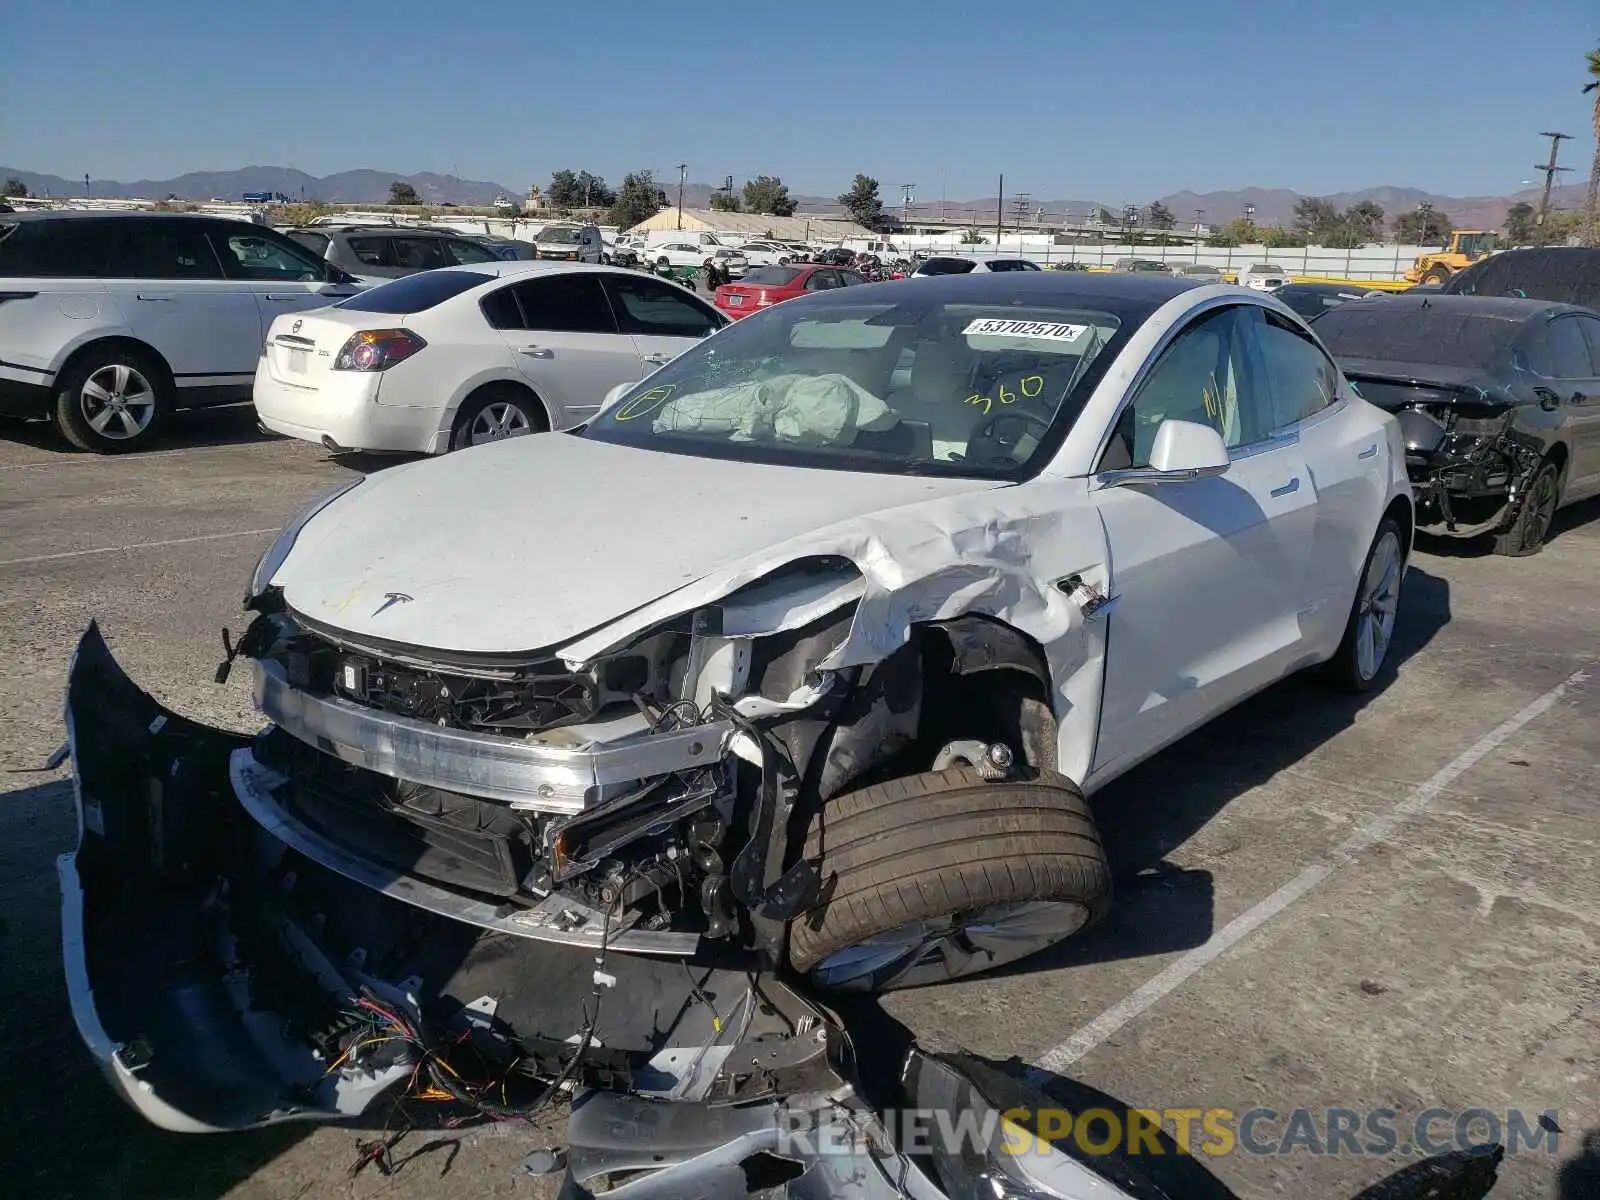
<point>683,174</point>
<point>905,204</point>
<point>999,211</point>
<point>1550,171</point>
<point>1198,213</point>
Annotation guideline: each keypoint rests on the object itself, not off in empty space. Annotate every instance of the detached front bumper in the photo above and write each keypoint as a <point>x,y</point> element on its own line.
<point>213,966</point>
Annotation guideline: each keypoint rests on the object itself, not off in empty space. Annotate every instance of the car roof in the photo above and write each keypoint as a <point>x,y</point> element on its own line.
<point>90,214</point>
<point>510,267</point>
<point>1506,308</point>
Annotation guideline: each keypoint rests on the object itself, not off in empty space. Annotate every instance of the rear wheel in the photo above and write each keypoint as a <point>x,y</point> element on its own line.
<point>496,413</point>
<point>1535,512</point>
<point>112,400</point>
<point>1370,627</point>
<point>945,874</point>
<point>1436,274</point>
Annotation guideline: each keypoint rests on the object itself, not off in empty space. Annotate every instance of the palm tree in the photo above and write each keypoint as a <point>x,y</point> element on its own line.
<point>1592,58</point>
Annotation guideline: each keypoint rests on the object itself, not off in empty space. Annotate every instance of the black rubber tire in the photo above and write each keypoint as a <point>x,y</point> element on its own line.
<point>1343,668</point>
<point>931,845</point>
<point>1531,525</point>
<point>67,412</point>
<point>493,393</point>
<point>1437,275</point>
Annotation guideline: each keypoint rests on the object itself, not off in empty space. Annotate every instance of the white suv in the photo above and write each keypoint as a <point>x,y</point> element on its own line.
<point>109,321</point>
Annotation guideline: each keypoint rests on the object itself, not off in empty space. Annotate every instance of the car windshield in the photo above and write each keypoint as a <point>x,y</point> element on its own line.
<point>772,276</point>
<point>911,385</point>
<point>414,293</point>
<point>560,236</point>
<point>1266,269</point>
<point>1395,330</point>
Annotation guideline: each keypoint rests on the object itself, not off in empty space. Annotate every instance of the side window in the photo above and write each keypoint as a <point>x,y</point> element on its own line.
<point>419,254</point>
<point>251,256</point>
<point>1569,352</point>
<point>500,309</point>
<point>822,280</point>
<point>565,304</point>
<point>1205,375</point>
<point>1299,376</point>
<point>648,306</point>
<point>158,252</point>
<point>1591,333</point>
<point>469,252</point>
<point>849,278</point>
<point>372,251</point>
<point>63,250</point>
<point>317,243</point>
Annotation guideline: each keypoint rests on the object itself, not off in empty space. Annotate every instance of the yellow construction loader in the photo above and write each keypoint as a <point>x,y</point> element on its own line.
<point>1466,247</point>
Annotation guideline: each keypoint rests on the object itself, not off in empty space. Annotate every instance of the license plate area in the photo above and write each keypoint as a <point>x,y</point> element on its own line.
<point>735,301</point>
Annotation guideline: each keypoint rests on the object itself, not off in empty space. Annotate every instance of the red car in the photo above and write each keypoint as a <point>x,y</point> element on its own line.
<point>762,287</point>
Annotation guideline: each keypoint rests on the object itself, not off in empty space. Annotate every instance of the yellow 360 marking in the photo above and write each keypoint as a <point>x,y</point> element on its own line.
<point>645,403</point>
<point>1030,385</point>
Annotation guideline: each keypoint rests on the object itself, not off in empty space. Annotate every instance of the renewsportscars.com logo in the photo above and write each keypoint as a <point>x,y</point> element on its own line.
<point>1376,1132</point>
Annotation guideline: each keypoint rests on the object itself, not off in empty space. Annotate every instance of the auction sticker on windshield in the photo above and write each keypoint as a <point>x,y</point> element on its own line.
<point>1049,331</point>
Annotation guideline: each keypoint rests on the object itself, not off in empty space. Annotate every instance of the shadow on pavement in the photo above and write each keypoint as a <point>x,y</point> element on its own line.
<point>1580,1178</point>
<point>1144,815</point>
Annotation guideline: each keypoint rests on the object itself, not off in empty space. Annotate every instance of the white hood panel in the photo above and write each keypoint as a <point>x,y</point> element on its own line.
<point>527,544</point>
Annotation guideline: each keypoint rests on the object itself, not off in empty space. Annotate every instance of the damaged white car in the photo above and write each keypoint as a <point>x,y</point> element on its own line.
<point>802,655</point>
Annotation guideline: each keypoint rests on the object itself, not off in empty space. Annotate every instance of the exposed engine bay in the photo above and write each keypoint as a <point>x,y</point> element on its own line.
<point>659,793</point>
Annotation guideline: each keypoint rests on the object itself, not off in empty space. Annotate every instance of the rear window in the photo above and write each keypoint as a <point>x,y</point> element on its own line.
<point>1395,330</point>
<point>59,249</point>
<point>771,276</point>
<point>1567,274</point>
<point>416,293</point>
<point>317,243</point>
<point>945,266</point>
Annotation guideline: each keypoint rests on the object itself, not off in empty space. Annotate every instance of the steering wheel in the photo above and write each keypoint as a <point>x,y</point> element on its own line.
<point>990,430</point>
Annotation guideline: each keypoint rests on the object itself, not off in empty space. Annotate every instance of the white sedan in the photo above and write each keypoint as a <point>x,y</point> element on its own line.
<point>768,254</point>
<point>456,357</point>
<point>935,561</point>
<point>1263,277</point>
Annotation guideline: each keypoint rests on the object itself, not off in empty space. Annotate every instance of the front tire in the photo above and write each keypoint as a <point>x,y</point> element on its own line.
<point>1535,512</point>
<point>112,400</point>
<point>495,413</point>
<point>944,874</point>
<point>1436,275</point>
<point>1369,631</point>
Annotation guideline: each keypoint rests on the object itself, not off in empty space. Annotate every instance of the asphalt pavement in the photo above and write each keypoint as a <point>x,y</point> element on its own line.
<point>1323,902</point>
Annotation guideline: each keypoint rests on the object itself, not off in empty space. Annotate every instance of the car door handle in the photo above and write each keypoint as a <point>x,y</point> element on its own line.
<point>1369,452</point>
<point>150,296</point>
<point>536,351</point>
<point>285,299</point>
<point>658,359</point>
<point>1287,489</point>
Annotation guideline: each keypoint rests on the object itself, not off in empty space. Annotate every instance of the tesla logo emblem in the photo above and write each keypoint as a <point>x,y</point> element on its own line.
<point>390,599</point>
<point>295,328</point>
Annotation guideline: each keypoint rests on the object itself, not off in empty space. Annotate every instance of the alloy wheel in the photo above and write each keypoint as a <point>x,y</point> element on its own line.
<point>962,944</point>
<point>1380,601</point>
<point>117,401</point>
<point>497,421</point>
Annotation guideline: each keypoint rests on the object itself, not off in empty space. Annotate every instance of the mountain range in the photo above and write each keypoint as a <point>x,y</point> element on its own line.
<point>1273,206</point>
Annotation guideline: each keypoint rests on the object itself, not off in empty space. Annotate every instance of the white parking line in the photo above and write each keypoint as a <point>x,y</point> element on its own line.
<point>1104,1026</point>
<point>203,537</point>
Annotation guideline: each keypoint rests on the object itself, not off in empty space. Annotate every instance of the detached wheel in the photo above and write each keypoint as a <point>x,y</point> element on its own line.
<point>1370,627</point>
<point>494,414</point>
<point>112,400</point>
<point>945,874</point>
<point>1537,510</point>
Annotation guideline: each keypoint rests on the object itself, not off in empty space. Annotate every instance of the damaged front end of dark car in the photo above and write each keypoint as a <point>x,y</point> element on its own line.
<point>1470,458</point>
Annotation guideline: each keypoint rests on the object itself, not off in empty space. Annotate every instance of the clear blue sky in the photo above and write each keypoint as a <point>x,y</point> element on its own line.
<point>1121,101</point>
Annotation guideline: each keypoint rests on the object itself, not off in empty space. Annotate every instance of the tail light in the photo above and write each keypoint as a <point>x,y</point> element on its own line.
<point>377,350</point>
<point>762,299</point>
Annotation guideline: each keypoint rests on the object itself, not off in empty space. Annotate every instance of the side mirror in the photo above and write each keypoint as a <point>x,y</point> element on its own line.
<point>1183,450</point>
<point>1188,450</point>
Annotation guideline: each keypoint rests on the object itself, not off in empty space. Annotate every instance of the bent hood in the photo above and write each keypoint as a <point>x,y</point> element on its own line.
<point>526,544</point>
